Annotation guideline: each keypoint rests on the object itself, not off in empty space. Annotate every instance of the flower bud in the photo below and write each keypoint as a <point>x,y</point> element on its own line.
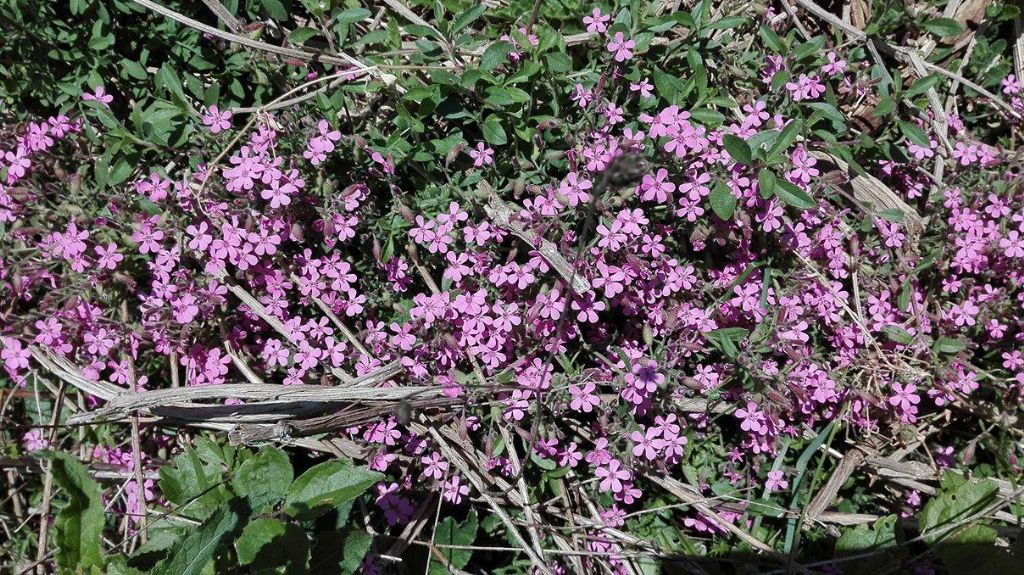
<point>406,213</point>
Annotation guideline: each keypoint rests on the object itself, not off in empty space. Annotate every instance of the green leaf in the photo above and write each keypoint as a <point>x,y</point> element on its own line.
<point>723,203</point>
<point>898,334</point>
<point>339,552</point>
<point>772,40</point>
<point>738,149</point>
<point>808,48</point>
<point>558,62</point>
<point>134,69</point>
<point>727,339</point>
<point>350,16</point>
<point>786,138</point>
<point>764,507</point>
<point>943,26</point>
<point>168,79</point>
<point>275,9</point>
<point>794,196</point>
<point>326,486</point>
<point>495,55</point>
<point>958,499</point>
<point>267,543</point>
<point>885,106</point>
<point>727,23</point>
<point>357,545</point>
<point>828,111</point>
<point>494,134</point>
<point>707,116</point>
<point>499,96</point>
<point>468,17</point>
<point>186,483</point>
<point>914,133</point>
<point>949,345</point>
<point>766,183</point>
<point>450,533</point>
<point>263,478</point>
<point>892,215</point>
<point>921,86</point>
<point>301,34</point>
<point>191,554</point>
<point>973,552</point>
<point>667,85</point>
<point>79,524</point>
<point>877,546</point>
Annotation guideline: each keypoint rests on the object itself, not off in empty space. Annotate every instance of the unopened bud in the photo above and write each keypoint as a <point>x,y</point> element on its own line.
<point>454,153</point>
<point>406,213</point>
<point>376,249</point>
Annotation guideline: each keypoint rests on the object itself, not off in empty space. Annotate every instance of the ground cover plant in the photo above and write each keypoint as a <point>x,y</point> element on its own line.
<point>548,287</point>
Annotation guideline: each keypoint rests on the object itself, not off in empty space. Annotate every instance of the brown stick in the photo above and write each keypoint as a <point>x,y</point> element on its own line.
<point>308,56</point>
<point>140,482</point>
<point>44,507</point>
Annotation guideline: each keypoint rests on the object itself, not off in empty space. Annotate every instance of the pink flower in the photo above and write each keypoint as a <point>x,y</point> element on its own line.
<point>1012,245</point>
<point>648,444</point>
<point>775,481</point>
<point>100,95</point>
<point>657,188</point>
<point>583,398</point>
<point>217,121</point>
<point>806,88</point>
<point>967,154</point>
<point>274,354</point>
<point>18,164</point>
<point>753,419</point>
<point>612,476</point>
<point>597,22</point>
<point>436,466</point>
<point>455,490</point>
<point>482,155</point>
<point>803,167</point>
<point>34,440</point>
<point>574,188</point>
<point>621,47</point>
<point>155,187</point>
<point>643,86</point>
<point>905,397</point>
<point>835,66</point>
<point>1011,85</point>
<point>108,258</point>
<point>279,193</point>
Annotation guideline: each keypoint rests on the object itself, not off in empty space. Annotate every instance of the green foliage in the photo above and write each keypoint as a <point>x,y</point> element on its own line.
<point>238,496</point>
<point>339,552</point>
<point>875,546</point>
<point>943,26</point>
<point>450,532</point>
<point>722,201</point>
<point>268,543</point>
<point>794,196</point>
<point>192,483</point>
<point>326,486</point>
<point>956,503</point>
<point>79,523</point>
<point>951,523</point>
<point>264,478</point>
<point>738,148</point>
<point>228,507</point>
<point>191,553</point>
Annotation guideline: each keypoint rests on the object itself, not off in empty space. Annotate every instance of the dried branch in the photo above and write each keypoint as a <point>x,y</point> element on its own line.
<point>308,56</point>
